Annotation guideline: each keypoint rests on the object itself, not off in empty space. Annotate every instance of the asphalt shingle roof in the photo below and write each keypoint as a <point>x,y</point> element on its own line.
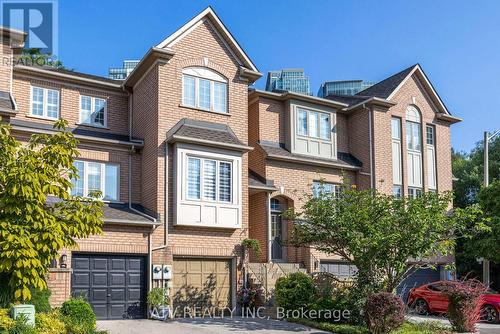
<point>385,87</point>
<point>203,130</point>
<point>255,180</point>
<point>6,102</point>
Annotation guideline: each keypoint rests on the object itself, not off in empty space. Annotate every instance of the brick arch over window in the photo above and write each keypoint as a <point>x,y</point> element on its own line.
<point>205,62</point>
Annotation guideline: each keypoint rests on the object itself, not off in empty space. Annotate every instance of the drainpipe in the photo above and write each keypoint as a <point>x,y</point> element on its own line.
<point>370,134</point>
<point>269,241</point>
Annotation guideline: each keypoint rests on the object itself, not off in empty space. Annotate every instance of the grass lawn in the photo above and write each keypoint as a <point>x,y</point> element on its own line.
<point>407,328</point>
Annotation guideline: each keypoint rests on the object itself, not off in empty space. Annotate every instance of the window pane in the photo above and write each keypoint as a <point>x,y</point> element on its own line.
<point>209,169</point>
<point>396,191</point>
<point>111,179</point>
<point>188,97</point>
<point>77,189</point>
<point>302,122</point>
<point>52,103</point>
<point>416,136</point>
<point>85,109</point>
<point>220,97</point>
<point>193,180</point>
<point>430,135</point>
<point>396,128</point>
<point>409,136</point>
<point>313,126</point>
<point>225,182</point>
<point>37,106</point>
<point>204,94</point>
<point>93,177</point>
<point>325,126</point>
<point>98,114</point>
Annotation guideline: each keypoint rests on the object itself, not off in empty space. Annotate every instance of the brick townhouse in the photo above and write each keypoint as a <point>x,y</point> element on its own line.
<point>191,161</point>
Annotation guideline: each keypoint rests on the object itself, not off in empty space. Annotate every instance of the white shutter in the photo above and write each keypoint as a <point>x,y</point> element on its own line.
<point>209,171</point>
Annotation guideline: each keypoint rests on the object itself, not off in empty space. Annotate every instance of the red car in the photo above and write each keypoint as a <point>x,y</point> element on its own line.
<point>429,298</point>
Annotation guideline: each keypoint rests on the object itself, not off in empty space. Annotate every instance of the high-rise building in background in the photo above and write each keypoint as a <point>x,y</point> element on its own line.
<point>292,79</point>
<point>343,87</point>
<point>121,73</point>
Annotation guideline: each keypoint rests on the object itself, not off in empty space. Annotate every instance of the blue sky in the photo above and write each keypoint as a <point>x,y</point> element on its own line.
<point>456,42</point>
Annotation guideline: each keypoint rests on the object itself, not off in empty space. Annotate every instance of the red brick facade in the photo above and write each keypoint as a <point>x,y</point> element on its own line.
<point>152,105</point>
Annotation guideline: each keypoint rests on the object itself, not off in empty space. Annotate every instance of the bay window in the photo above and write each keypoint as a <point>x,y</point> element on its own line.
<point>204,89</point>
<point>93,111</point>
<point>96,176</point>
<point>44,103</point>
<point>313,124</point>
<point>209,180</point>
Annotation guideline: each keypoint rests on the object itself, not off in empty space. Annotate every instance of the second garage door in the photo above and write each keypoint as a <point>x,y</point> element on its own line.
<point>202,283</point>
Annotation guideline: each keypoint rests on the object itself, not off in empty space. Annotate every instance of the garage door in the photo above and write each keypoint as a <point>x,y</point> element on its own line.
<point>113,284</point>
<point>417,278</point>
<point>202,283</point>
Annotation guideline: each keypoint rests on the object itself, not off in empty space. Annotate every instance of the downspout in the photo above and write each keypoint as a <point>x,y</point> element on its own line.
<point>269,241</point>
<point>370,134</point>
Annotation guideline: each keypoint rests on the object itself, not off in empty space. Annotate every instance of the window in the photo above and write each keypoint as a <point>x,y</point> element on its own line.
<point>92,111</point>
<point>414,192</point>
<point>319,188</point>
<point>397,173</point>
<point>209,179</point>
<point>414,147</point>
<point>204,89</point>
<point>96,176</point>
<point>313,124</point>
<point>276,205</point>
<point>431,157</point>
<point>397,191</point>
<point>44,102</point>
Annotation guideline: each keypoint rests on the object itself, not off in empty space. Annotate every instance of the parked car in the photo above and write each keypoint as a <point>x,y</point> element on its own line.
<point>429,298</point>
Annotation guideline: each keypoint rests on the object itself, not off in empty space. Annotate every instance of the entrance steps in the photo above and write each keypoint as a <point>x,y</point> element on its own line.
<point>263,276</point>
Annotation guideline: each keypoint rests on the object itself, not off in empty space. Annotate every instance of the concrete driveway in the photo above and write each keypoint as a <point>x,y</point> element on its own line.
<point>205,326</point>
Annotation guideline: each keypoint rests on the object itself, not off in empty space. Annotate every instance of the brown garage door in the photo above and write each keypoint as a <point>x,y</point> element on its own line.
<point>202,283</point>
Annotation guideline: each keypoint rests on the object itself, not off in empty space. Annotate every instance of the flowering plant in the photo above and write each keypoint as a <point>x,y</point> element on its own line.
<point>247,297</point>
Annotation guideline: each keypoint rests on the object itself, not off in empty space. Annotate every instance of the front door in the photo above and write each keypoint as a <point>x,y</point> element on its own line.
<point>276,237</point>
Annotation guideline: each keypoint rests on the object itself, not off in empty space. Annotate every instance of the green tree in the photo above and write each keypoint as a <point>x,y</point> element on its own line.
<point>33,57</point>
<point>379,233</point>
<point>38,215</point>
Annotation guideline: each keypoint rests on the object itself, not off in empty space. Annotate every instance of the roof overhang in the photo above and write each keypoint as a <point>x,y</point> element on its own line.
<point>189,140</point>
<point>301,97</point>
<point>54,74</point>
<point>153,56</point>
<point>249,75</point>
<point>128,222</point>
<point>262,188</point>
<point>221,29</point>
<point>17,37</point>
<point>448,118</point>
<point>306,161</point>
<point>372,101</point>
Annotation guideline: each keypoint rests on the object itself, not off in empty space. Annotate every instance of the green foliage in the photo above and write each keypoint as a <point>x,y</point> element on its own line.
<point>40,299</point>
<point>49,323</point>
<point>6,294</point>
<point>32,229</point>
<point>330,327</point>
<point>380,233</point>
<point>384,312</point>
<point>294,291</point>
<point>158,297</point>
<point>6,322</point>
<point>252,244</point>
<point>426,327</point>
<point>78,316</point>
<point>21,327</point>
<point>33,57</point>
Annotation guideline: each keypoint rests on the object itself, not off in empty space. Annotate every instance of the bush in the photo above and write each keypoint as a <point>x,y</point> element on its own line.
<point>78,316</point>
<point>338,300</point>
<point>6,322</point>
<point>295,291</point>
<point>464,308</point>
<point>157,297</point>
<point>40,299</point>
<point>384,312</point>
<point>334,328</point>
<point>426,327</point>
<point>21,327</point>
<point>49,323</point>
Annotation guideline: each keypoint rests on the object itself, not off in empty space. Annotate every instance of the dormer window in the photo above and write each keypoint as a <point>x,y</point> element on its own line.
<point>204,89</point>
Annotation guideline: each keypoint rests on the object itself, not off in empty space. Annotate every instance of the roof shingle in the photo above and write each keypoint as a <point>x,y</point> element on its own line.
<point>384,88</point>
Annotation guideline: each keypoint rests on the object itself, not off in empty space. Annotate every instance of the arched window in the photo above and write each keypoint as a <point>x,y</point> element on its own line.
<point>204,89</point>
<point>414,150</point>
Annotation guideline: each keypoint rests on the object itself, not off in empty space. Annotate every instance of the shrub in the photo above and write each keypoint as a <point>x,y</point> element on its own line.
<point>334,328</point>
<point>49,323</point>
<point>6,322</point>
<point>384,312</point>
<point>295,291</point>
<point>78,316</point>
<point>40,299</point>
<point>158,297</point>
<point>21,327</point>
<point>464,308</point>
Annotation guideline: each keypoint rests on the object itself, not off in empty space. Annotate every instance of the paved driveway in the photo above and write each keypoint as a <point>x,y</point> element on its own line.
<point>205,326</point>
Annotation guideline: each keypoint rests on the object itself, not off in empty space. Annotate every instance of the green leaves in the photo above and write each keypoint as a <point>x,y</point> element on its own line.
<point>381,234</point>
<point>34,230</point>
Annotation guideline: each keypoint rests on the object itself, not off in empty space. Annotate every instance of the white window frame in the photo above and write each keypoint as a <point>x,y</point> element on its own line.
<point>414,192</point>
<point>431,158</point>
<point>45,103</point>
<point>206,212</point>
<point>415,169</point>
<point>337,187</point>
<point>397,165</point>
<point>309,112</point>
<point>92,110</point>
<point>103,178</point>
<point>205,74</point>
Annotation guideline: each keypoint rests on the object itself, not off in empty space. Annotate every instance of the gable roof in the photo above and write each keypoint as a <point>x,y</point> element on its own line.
<point>387,88</point>
<point>209,14</point>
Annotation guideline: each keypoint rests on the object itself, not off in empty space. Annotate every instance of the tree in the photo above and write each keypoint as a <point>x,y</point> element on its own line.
<point>385,237</point>
<point>38,215</point>
<point>486,244</point>
<point>34,57</point>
